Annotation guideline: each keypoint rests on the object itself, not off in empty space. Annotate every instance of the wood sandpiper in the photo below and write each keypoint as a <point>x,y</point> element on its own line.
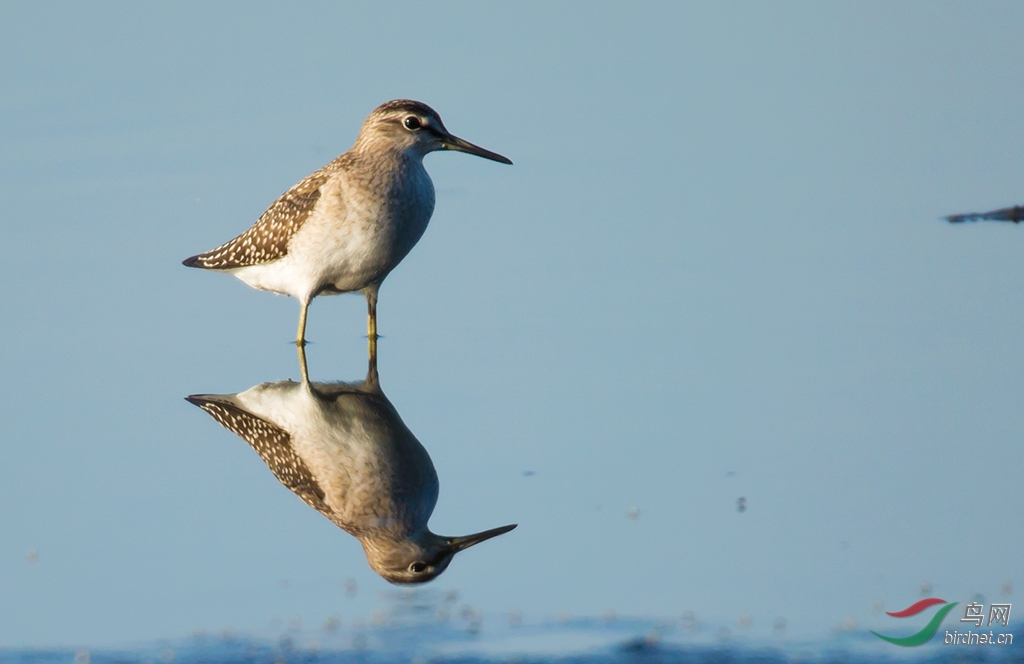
<point>346,226</point>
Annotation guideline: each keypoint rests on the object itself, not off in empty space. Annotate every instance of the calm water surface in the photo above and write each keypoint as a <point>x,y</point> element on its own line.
<point>708,341</point>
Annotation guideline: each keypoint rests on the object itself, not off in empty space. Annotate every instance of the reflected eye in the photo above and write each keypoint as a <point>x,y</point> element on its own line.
<point>412,122</point>
<point>416,568</point>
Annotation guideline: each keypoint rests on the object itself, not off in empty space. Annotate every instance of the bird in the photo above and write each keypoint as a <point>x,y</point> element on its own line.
<point>345,227</point>
<point>1014,214</point>
<point>344,450</point>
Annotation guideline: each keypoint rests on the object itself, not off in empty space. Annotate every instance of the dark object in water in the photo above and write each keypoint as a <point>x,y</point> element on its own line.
<point>1014,214</point>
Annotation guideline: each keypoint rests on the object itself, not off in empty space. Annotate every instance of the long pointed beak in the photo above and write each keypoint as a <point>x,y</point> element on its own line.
<point>457,544</point>
<point>455,143</point>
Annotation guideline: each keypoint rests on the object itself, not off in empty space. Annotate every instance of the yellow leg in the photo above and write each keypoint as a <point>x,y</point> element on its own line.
<point>300,338</point>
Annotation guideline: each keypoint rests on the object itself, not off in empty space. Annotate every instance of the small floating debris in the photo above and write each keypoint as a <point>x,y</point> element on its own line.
<point>1014,214</point>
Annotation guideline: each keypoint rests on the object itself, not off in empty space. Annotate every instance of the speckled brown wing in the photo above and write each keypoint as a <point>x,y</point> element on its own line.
<point>274,446</point>
<point>268,238</point>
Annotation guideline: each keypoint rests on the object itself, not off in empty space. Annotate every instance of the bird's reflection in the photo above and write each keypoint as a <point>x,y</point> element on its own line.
<point>344,450</point>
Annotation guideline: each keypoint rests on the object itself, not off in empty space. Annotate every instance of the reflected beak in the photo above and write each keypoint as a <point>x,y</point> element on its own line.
<point>457,544</point>
<point>450,142</point>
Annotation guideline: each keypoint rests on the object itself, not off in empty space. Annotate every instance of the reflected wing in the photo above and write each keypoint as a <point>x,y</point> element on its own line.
<point>274,446</point>
<point>1014,214</point>
<point>268,238</point>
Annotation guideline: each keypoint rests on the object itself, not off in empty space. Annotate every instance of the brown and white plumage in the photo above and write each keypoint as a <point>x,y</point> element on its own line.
<point>345,451</point>
<point>346,226</point>
<point>267,240</point>
<point>272,443</point>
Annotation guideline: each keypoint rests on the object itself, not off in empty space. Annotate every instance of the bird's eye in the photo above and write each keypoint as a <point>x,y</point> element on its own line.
<point>412,122</point>
<point>416,568</point>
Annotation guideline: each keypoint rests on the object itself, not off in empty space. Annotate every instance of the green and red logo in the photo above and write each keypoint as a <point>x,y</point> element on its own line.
<point>928,631</point>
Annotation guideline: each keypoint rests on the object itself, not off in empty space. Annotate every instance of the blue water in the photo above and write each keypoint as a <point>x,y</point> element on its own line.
<point>467,638</point>
<point>717,270</point>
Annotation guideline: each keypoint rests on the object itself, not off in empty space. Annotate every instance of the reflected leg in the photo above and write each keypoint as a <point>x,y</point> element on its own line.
<point>371,322</point>
<point>302,363</point>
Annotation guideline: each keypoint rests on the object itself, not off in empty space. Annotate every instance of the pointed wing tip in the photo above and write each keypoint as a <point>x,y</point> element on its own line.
<point>191,261</point>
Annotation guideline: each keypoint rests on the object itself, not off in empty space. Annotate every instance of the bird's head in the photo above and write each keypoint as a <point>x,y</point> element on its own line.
<point>412,126</point>
<point>422,558</point>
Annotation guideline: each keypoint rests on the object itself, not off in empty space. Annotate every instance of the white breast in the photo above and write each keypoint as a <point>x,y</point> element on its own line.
<point>358,233</point>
